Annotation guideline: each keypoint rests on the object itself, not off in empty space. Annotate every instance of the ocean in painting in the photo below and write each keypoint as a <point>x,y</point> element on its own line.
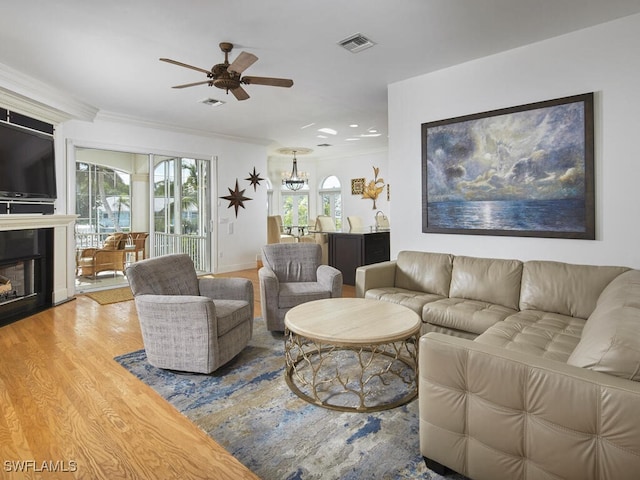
<point>518,215</point>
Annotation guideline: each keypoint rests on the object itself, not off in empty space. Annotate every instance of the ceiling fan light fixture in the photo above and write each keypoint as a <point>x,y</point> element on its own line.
<point>227,76</point>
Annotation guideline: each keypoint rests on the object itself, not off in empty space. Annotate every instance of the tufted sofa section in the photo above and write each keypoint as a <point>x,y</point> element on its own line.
<point>492,413</point>
<point>527,370</point>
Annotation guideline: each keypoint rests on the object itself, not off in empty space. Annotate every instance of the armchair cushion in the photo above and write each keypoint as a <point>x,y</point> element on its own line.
<point>115,241</point>
<point>230,314</point>
<point>295,293</point>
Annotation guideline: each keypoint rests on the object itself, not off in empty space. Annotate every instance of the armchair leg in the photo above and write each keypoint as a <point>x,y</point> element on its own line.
<point>437,467</point>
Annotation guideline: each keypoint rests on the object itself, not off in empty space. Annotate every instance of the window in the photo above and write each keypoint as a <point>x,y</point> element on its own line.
<point>103,199</point>
<point>294,206</point>
<point>331,199</point>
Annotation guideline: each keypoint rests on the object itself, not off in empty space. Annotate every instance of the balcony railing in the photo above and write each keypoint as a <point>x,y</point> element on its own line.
<point>163,244</point>
<point>193,245</point>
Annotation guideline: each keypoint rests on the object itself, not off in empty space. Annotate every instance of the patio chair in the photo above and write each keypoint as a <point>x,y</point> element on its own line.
<point>109,257</point>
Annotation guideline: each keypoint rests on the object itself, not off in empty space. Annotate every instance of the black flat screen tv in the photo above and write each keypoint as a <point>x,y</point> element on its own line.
<point>27,164</point>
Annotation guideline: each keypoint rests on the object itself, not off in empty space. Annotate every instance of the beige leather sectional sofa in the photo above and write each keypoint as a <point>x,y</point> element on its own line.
<point>527,370</point>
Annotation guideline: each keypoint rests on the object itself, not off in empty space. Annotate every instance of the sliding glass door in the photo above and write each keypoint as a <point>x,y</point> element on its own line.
<point>181,211</point>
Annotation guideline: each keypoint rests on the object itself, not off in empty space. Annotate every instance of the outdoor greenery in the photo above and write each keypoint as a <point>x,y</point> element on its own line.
<point>164,189</point>
<point>102,198</point>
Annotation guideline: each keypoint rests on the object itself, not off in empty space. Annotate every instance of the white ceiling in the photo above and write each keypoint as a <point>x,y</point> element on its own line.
<point>105,54</point>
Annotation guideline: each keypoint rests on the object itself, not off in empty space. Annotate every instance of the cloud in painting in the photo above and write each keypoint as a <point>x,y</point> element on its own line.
<point>535,154</point>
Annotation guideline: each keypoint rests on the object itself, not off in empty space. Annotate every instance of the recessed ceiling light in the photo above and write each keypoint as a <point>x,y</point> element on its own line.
<point>330,131</point>
<point>352,139</point>
<point>367,135</point>
<point>307,126</point>
<point>373,130</point>
<point>354,125</point>
<point>322,136</point>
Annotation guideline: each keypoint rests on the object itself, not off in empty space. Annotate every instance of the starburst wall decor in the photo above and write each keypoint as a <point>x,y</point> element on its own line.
<point>254,179</point>
<point>236,198</point>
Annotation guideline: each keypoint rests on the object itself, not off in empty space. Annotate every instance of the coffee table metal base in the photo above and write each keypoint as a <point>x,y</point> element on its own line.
<point>352,378</point>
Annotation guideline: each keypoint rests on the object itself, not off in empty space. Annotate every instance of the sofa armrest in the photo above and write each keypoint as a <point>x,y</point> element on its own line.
<point>487,412</point>
<point>225,288</point>
<point>376,275</point>
<point>331,279</point>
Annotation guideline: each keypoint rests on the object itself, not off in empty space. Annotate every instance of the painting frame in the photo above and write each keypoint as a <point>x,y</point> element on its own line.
<point>357,186</point>
<point>524,171</point>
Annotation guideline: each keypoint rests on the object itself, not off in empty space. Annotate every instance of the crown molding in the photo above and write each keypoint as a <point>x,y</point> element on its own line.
<point>26,95</point>
<point>120,118</point>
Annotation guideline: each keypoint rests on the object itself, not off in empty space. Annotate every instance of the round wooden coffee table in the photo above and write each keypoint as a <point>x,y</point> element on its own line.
<point>352,354</point>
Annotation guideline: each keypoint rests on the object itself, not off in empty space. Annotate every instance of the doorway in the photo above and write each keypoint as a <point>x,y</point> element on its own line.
<point>163,198</point>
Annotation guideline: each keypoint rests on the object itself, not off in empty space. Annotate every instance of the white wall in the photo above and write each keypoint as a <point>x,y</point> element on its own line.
<point>238,239</point>
<point>602,59</point>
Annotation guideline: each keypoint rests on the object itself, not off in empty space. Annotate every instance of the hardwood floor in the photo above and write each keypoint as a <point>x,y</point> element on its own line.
<point>68,410</point>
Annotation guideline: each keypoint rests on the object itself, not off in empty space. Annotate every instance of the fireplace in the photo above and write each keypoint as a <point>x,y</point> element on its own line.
<point>26,273</point>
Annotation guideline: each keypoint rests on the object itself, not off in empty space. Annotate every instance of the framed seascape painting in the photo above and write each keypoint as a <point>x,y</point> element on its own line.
<point>520,171</point>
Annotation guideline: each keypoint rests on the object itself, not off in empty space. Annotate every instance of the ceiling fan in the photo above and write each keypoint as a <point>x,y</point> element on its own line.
<point>227,75</point>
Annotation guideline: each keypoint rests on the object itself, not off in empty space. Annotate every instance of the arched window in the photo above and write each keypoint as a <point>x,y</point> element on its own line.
<point>331,199</point>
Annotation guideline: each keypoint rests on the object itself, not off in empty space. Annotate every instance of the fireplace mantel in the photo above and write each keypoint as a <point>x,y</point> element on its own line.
<point>35,220</point>
<point>63,244</point>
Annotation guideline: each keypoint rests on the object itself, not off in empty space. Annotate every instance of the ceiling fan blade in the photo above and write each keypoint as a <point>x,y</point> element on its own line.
<point>244,61</point>
<point>192,84</point>
<point>273,82</point>
<point>180,64</point>
<point>240,93</point>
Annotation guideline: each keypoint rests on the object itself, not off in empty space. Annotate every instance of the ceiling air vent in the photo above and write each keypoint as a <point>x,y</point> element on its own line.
<point>212,101</point>
<point>323,145</point>
<point>356,43</point>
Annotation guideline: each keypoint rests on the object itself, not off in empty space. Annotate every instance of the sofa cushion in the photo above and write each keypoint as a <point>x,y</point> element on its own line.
<point>610,342</point>
<point>487,280</point>
<point>543,334</point>
<point>564,288</point>
<point>408,298</point>
<point>462,314</point>
<point>424,272</point>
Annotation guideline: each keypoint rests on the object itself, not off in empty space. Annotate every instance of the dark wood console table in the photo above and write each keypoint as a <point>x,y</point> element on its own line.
<point>348,251</point>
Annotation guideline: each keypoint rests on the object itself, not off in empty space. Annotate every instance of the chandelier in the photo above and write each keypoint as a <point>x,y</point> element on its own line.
<point>295,181</point>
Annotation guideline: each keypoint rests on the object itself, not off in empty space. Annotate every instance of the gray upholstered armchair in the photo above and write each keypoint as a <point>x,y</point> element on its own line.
<point>188,323</point>
<point>293,274</point>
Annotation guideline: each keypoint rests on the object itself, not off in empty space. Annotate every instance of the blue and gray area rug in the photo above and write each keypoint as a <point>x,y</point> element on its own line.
<point>247,407</point>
